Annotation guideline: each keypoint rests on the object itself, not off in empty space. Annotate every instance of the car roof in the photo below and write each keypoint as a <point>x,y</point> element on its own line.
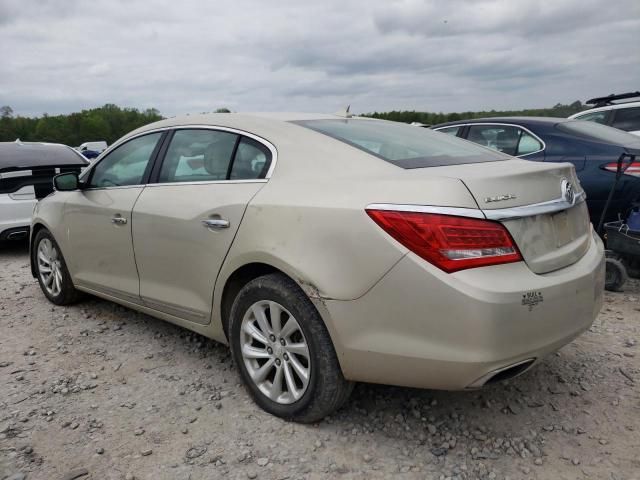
<point>605,108</point>
<point>28,155</point>
<point>515,120</point>
<point>264,124</point>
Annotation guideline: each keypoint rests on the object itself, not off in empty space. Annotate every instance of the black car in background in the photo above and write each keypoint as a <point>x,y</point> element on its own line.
<point>592,148</point>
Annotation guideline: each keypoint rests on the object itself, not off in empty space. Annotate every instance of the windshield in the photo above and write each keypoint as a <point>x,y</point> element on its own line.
<point>598,132</point>
<point>403,145</point>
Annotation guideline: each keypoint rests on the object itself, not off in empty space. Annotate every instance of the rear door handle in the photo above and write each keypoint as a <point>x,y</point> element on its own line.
<point>118,220</point>
<point>216,223</point>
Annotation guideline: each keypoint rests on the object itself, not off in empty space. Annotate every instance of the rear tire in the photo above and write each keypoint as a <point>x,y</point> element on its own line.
<point>51,270</point>
<point>616,274</point>
<point>284,352</point>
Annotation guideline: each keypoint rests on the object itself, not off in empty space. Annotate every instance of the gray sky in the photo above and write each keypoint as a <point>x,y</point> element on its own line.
<point>181,56</point>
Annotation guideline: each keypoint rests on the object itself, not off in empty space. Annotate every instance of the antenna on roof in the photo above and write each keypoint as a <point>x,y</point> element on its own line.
<point>344,113</point>
<point>18,141</point>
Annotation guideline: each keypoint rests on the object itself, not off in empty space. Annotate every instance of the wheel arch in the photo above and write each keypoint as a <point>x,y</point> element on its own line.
<point>243,274</point>
<point>35,228</point>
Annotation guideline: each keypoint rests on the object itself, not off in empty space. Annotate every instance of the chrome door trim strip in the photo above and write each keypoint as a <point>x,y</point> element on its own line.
<point>205,182</point>
<point>454,211</point>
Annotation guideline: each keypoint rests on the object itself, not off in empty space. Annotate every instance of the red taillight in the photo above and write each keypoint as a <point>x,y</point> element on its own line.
<point>633,169</point>
<point>450,243</point>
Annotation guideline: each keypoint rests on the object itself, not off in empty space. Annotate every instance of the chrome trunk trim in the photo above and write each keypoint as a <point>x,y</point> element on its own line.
<point>542,208</point>
<point>498,214</point>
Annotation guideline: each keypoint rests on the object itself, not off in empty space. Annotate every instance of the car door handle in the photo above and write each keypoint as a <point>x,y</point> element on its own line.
<point>216,223</point>
<point>119,220</point>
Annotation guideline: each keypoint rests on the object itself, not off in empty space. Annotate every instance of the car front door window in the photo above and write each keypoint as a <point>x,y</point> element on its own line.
<point>126,165</point>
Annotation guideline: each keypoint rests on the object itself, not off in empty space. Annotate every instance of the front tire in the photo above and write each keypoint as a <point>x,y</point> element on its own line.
<point>51,270</point>
<point>283,351</point>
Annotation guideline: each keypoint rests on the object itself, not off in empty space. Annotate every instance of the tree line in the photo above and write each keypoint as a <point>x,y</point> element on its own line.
<point>432,118</point>
<point>110,122</point>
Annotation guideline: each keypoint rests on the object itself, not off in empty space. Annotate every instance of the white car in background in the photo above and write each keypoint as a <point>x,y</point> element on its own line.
<point>99,146</point>
<point>26,173</point>
<point>624,115</point>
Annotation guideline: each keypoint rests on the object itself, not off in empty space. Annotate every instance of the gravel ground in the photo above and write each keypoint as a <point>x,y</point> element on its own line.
<point>99,391</point>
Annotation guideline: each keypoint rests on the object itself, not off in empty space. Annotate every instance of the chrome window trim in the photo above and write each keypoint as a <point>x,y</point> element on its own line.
<point>205,182</point>
<point>455,211</point>
<point>263,141</point>
<point>119,187</point>
<point>544,145</point>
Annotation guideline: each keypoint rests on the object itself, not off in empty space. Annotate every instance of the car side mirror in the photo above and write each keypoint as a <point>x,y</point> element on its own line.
<point>66,182</point>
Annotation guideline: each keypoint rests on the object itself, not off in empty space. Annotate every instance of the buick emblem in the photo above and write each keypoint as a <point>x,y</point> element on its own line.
<point>568,194</point>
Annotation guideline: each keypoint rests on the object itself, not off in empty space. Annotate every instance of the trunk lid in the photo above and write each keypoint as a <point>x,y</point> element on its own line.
<point>550,226</point>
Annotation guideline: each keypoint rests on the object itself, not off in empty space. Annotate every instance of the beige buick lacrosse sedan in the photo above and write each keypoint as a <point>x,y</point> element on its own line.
<point>327,250</point>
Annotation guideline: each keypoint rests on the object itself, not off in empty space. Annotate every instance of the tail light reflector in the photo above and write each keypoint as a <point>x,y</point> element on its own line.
<point>448,242</point>
<point>633,169</point>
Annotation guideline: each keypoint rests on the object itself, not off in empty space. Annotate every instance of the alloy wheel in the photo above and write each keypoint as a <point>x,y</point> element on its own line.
<point>275,352</point>
<point>50,267</point>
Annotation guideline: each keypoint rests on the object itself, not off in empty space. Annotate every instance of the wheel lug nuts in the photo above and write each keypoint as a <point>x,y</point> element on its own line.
<point>272,338</point>
<point>282,342</point>
<point>286,357</point>
<point>278,362</point>
<point>269,350</point>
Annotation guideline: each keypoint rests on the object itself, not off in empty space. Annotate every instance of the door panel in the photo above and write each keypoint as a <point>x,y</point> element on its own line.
<point>98,219</point>
<point>101,251</point>
<point>177,255</point>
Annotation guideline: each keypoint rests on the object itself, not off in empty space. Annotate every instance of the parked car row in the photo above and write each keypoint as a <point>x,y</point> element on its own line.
<point>330,249</point>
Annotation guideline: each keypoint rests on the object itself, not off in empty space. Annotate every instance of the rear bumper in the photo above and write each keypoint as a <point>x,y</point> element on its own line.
<point>15,216</point>
<point>421,327</point>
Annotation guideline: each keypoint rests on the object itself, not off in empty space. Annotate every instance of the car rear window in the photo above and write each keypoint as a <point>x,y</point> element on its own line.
<point>599,132</point>
<point>403,145</point>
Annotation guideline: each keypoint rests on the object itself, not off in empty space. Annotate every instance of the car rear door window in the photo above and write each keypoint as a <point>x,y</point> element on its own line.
<point>198,155</point>
<point>251,161</point>
<point>204,155</point>
<point>508,139</point>
<point>498,137</point>
<point>127,164</point>
<point>627,119</point>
